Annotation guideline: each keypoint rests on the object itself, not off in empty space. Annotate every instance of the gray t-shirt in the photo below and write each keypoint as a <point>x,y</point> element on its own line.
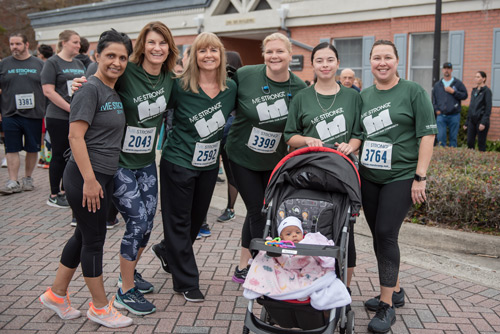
<point>101,107</point>
<point>91,70</point>
<point>60,73</point>
<point>21,87</point>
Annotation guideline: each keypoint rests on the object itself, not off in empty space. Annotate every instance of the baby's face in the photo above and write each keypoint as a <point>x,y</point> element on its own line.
<point>291,233</point>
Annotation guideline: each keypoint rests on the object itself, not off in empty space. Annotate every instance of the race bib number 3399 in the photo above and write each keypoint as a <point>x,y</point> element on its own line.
<point>138,140</point>
<point>263,141</point>
<point>377,155</point>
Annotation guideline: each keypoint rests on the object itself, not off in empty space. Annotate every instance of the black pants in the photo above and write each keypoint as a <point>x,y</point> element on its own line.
<point>185,198</point>
<point>58,130</point>
<point>251,185</point>
<point>472,132</point>
<point>385,207</point>
<point>87,243</point>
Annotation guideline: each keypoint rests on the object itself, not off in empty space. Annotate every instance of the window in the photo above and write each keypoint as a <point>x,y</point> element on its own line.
<point>350,54</point>
<point>421,56</point>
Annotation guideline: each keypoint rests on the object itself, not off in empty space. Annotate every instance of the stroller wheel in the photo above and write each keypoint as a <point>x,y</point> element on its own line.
<point>246,330</point>
<point>349,326</point>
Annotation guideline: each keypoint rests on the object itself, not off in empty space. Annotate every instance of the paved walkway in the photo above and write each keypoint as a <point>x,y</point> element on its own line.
<point>32,235</point>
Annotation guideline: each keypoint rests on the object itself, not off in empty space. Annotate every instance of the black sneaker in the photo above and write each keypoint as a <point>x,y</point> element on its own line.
<point>398,300</point>
<point>194,296</point>
<point>134,301</point>
<point>111,225</point>
<point>240,275</point>
<point>140,283</point>
<point>159,251</point>
<point>59,201</point>
<point>383,319</point>
<point>226,215</point>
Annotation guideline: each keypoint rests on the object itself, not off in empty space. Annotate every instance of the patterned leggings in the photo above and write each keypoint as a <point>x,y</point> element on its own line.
<point>136,198</point>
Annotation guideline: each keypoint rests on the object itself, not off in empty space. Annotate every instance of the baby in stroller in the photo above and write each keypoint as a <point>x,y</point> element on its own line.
<point>297,277</point>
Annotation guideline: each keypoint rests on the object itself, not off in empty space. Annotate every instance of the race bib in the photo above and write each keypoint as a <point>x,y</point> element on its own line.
<point>70,91</point>
<point>377,155</point>
<point>205,154</point>
<point>25,101</point>
<point>263,141</point>
<point>138,140</point>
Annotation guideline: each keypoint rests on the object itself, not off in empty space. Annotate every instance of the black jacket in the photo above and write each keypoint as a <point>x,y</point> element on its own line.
<point>448,104</point>
<point>480,106</point>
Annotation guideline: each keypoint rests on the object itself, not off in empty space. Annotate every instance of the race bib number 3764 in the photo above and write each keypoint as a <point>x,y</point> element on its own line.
<point>377,155</point>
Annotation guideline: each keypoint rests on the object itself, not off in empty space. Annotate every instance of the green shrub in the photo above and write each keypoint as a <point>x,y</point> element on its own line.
<point>463,190</point>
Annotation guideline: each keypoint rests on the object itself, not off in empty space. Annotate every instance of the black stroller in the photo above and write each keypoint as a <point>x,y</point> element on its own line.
<point>321,187</point>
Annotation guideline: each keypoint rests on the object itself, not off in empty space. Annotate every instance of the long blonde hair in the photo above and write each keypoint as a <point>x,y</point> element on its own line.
<point>191,75</point>
<point>160,28</point>
<point>64,36</point>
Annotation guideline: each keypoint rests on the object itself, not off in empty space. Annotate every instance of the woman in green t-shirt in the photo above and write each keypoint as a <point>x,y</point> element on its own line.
<point>202,99</point>
<point>399,129</point>
<point>326,113</point>
<point>254,144</point>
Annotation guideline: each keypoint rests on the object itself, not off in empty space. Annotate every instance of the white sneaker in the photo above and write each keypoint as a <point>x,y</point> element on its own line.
<point>4,163</point>
<point>62,306</point>
<point>11,187</point>
<point>108,316</point>
<point>27,183</point>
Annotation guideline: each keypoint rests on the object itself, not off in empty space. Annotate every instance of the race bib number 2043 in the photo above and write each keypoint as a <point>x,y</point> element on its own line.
<point>377,155</point>
<point>138,140</point>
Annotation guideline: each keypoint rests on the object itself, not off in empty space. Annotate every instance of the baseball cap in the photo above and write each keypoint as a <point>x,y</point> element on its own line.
<point>447,65</point>
<point>290,221</point>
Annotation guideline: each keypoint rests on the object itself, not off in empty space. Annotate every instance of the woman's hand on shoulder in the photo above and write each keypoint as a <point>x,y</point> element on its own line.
<point>77,83</point>
<point>92,193</point>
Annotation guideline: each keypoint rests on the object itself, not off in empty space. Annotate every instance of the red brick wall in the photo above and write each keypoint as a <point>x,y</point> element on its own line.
<point>478,44</point>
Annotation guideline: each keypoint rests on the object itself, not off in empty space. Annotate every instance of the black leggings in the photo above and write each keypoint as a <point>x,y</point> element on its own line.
<point>385,207</point>
<point>251,185</point>
<point>58,131</point>
<point>87,243</point>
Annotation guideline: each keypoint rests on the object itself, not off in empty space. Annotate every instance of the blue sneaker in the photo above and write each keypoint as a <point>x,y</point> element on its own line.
<point>140,283</point>
<point>133,300</point>
<point>205,231</point>
<point>198,237</point>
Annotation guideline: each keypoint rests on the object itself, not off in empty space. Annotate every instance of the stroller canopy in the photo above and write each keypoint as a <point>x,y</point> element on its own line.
<point>319,168</point>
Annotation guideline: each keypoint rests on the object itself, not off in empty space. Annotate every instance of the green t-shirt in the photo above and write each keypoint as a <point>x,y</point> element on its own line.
<point>255,140</point>
<point>198,126</point>
<point>144,106</point>
<point>393,121</point>
<point>339,124</point>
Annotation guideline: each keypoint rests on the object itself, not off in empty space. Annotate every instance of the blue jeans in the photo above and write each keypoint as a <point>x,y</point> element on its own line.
<point>136,197</point>
<point>448,121</point>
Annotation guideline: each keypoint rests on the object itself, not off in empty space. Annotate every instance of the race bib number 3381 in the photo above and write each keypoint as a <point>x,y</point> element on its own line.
<point>377,155</point>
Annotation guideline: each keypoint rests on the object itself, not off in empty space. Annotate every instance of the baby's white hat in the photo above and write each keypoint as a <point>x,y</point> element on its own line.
<point>290,221</point>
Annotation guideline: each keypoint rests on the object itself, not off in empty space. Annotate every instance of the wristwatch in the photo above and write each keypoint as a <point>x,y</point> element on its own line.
<point>419,178</point>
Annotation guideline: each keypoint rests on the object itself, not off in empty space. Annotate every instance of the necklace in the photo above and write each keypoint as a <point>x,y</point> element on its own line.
<point>267,90</point>
<point>331,105</point>
<point>147,77</point>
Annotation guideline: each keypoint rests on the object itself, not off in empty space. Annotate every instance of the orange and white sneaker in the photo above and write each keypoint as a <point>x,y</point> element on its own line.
<point>108,316</point>
<point>62,306</point>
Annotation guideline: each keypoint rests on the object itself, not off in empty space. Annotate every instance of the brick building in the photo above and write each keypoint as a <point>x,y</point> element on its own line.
<point>470,31</point>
